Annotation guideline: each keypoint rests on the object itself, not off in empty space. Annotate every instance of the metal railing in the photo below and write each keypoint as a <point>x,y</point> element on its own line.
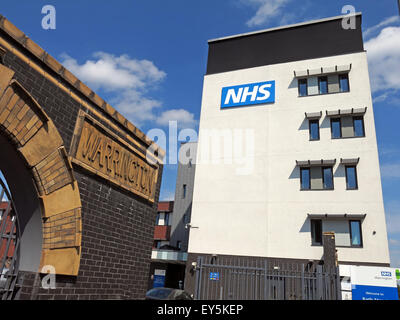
<point>263,279</point>
<point>9,246</point>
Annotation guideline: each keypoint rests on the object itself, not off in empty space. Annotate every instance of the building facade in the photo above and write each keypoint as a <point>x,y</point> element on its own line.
<point>302,92</point>
<point>180,227</point>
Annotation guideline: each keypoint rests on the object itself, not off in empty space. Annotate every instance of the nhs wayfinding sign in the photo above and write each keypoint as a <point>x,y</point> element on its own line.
<point>248,94</point>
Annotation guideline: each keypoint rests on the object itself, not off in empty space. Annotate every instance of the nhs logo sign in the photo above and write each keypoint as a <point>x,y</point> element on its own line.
<point>248,94</point>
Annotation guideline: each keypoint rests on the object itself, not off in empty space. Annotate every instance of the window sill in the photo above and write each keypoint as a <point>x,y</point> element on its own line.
<point>317,189</point>
<point>322,94</point>
<point>347,138</point>
<point>351,189</point>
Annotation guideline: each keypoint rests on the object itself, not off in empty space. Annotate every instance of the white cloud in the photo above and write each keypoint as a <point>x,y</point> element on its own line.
<point>384,23</point>
<point>266,9</point>
<point>383,53</point>
<point>182,116</point>
<point>127,83</point>
<point>391,170</point>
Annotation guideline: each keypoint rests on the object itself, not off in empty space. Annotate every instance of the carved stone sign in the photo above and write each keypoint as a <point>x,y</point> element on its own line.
<point>102,152</point>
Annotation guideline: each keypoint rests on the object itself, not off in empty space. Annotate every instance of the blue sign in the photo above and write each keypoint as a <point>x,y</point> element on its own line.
<point>214,276</point>
<point>248,94</point>
<point>374,293</point>
<point>159,281</point>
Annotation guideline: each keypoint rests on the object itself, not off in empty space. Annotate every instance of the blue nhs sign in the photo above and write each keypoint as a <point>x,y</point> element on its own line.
<point>248,94</point>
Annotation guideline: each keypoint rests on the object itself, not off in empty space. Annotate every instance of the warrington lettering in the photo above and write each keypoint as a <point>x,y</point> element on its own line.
<point>112,159</point>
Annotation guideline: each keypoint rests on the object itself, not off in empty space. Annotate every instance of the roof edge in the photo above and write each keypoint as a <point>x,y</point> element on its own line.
<point>282,27</point>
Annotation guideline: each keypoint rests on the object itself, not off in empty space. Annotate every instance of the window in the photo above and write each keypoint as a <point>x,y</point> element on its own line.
<point>184,191</point>
<point>347,127</point>
<point>158,219</point>
<point>316,232</point>
<point>323,85</point>
<point>358,124</point>
<point>190,163</point>
<point>179,245</point>
<point>316,178</point>
<point>327,177</point>
<point>344,83</point>
<point>351,178</point>
<point>355,233</point>
<point>314,129</point>
<point>305,179</point>
<point>166,218</point>
<point>336,128</point>
<point>302,87</point>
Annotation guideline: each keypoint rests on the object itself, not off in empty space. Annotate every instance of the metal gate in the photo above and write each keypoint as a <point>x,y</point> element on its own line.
<point>9,245</point>
<point>222,278</point>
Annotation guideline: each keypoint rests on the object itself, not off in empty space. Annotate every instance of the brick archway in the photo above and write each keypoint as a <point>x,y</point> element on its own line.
<point>35,137</point>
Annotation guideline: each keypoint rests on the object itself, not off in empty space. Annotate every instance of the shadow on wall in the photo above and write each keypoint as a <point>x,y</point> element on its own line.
<point>295,174</point>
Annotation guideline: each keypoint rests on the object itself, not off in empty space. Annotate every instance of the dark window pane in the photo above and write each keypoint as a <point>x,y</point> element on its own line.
<point>358,127</point>
<point>355,230</point>
<point>305,178</point>
<point>302,87</point>
<point>336,128</point>
<point>184,191</point>
<point>323,85</point>
<point>316,231</point>
<point>314,129</point>
<point>351,177</point>
<point>344,82</point>
<point>166,218</point>
<point>328,178</point>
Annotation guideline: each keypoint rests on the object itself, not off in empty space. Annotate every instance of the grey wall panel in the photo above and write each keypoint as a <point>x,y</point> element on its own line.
<point>312,84</point>
<point>333,83</point>
<point>347,127</point>
<point>316,178</point>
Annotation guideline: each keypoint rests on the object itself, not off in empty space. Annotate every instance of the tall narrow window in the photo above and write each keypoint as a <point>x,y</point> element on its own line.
<point>336,128</point>
<point>358,124</point>
<point>179,245</point>
<point>351,178</point>
<point>302,87</point>
<point>316,232</point>
<point>355,233</point>
<point>314,129</point>
<point>305,178</point>
<point>166,218</point>
<point>327,177</point>
<point>323,85</point>
<point>158,219</point>
<point>184,191</point>
<point>344,83</point>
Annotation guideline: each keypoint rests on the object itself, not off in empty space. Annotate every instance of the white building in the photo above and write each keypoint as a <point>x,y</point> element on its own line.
<point>314,166</point>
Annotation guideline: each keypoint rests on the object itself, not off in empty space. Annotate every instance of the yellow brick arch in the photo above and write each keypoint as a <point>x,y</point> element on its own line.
<point>35,137</point>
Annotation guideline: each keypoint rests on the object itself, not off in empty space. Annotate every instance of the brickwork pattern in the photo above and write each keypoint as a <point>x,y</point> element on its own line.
<point>117,227</point>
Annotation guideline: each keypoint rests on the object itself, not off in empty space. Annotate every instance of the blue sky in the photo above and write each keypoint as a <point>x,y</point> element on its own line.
<point>148,59</point>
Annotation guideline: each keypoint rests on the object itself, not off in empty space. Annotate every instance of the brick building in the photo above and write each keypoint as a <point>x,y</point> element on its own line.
<point>85,192</point>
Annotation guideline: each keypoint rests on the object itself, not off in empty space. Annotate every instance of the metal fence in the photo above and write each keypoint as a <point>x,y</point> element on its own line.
<point>222,278</point>
<point>9,246</point>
